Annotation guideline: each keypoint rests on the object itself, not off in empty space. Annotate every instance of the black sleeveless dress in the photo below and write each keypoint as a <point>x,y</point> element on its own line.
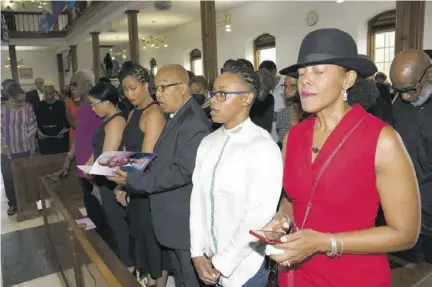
<point>115,214</point>
<point>148,256</point>
<point>51,119</point>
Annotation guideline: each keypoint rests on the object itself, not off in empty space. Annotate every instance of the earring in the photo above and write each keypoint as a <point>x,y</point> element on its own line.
<point>345,97</point>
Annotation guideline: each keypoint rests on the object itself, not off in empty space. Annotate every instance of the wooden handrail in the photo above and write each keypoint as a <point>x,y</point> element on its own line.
<point>79,234</point>
<point>24,24</point>
<point>26,13</point>
<point>108,264</point>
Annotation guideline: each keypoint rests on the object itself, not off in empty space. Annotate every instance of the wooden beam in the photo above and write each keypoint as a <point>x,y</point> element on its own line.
<point>74,56</point>
<point>60,70</point>
<point>209,39</point>
<point>13,63</point>
<point>134,41</point>
<point>96,54</point>
<point>409,25</point>
<point>36,35</point>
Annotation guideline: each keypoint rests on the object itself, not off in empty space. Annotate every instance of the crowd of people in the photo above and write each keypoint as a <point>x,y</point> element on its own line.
<point>338,190</point>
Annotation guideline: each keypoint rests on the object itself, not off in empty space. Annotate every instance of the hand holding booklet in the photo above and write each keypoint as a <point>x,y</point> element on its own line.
<point>126,161</point>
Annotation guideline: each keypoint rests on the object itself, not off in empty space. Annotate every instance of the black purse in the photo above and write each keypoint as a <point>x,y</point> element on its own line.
<point>273,278</point>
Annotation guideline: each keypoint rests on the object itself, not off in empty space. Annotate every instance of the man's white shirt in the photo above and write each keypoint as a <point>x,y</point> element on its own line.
<point>41,95</point>
<point>237,184</point>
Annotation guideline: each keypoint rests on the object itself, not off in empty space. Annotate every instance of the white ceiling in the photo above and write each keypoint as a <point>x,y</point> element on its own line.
<point>151,20</point>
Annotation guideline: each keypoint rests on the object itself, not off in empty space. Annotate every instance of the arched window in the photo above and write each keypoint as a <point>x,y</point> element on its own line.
<point>264,49</point>
<point>196,62</point>
<point>153,66</point>
<point>381,39</point>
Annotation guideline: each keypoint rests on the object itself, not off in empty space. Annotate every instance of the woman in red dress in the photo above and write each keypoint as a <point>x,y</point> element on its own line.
<point>340,164</point>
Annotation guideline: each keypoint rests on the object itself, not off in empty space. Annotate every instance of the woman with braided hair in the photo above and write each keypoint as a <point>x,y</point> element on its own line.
<point>237,182</point>
<point>144,126</point>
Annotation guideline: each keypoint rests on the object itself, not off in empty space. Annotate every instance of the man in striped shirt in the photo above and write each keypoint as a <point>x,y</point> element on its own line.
<point>18,135</point>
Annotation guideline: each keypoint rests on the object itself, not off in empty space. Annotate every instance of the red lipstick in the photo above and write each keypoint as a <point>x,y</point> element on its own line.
<point>306,94</point>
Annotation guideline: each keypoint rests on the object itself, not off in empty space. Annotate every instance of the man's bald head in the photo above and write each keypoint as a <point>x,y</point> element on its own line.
<point>39,83</point>
<point>172,84</point>
<point>80,83</point>
<point>177,73</point>
<point>408,67</point>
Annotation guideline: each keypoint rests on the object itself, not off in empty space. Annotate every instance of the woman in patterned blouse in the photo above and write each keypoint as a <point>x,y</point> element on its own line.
<point>18,135</point>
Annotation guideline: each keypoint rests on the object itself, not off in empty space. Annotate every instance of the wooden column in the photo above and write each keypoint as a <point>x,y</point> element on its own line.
<point>60,70</point>
<point>96,55</point>
<point>409,25</point>
<point>74,56</point>
<point>13,63</point>
<point>134,42</point>
<point>209,41</point>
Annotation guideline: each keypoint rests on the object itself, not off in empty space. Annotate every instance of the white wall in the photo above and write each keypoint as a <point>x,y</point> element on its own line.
<point>283,19</point>
<point>43,63</point>
<point>427,37</point>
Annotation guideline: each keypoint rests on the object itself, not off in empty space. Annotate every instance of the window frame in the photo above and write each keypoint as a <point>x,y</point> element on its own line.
<point>195,54</point>
<point>262,42</point>
<point>383,22</point>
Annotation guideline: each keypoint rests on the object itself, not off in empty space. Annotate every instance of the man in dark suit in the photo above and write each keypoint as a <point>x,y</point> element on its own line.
<point>169,180</point>
<point>34,97</point>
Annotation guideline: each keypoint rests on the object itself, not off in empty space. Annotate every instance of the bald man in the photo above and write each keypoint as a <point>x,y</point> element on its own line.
<point>411,76</point>
<point>169,180</point>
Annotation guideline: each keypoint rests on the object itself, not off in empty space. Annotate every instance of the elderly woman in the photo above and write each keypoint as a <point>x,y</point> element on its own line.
<point>340,164</point>
<point>53,123</point>
<point>18,131</point>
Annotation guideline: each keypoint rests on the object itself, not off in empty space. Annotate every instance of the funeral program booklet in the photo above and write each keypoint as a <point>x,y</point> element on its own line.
<point>126,161</point>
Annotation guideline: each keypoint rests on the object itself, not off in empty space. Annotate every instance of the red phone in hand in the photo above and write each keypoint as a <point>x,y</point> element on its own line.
<point>269,237</point>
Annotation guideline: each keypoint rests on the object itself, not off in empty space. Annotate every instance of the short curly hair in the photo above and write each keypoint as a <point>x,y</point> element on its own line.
<point>363,92</point>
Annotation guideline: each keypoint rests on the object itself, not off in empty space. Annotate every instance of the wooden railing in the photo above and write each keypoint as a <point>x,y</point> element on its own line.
<point>26,24</point>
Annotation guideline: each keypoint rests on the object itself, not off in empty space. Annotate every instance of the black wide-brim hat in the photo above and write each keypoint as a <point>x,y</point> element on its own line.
<point>330,46</point>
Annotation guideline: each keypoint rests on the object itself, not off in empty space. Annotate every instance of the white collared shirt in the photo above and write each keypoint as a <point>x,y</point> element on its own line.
<point>172,115</point>
<point>41,95</point>
<point>237,183</point>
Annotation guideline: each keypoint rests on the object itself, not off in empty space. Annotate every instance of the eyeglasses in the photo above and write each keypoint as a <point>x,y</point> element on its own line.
<point>291,86</point>
<point>93,105</point>
<point>162,88</point>
<point>411,90</point>
<point>221,95</point>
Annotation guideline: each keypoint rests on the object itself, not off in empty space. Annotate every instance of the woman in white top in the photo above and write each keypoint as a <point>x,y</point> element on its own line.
<point>237,184</point>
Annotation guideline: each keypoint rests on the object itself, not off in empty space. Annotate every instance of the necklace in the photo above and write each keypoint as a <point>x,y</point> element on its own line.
<point>12,104</point>
<point>316,150</point>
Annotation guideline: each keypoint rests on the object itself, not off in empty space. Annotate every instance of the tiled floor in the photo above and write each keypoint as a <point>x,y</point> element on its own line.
<point>52,280</point>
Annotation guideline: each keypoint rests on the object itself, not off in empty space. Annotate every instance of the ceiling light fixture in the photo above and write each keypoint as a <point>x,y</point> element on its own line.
<point>340,1</point>
<point>20,63</point>
<point>122,54</point>
<point>225,22</point>
<point>155,42</point>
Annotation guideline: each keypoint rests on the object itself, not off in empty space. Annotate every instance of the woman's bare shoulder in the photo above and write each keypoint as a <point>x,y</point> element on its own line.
<point>390,148</point>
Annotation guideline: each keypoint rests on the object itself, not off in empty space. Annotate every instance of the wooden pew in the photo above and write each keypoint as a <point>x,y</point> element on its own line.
<point>81,256</point>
